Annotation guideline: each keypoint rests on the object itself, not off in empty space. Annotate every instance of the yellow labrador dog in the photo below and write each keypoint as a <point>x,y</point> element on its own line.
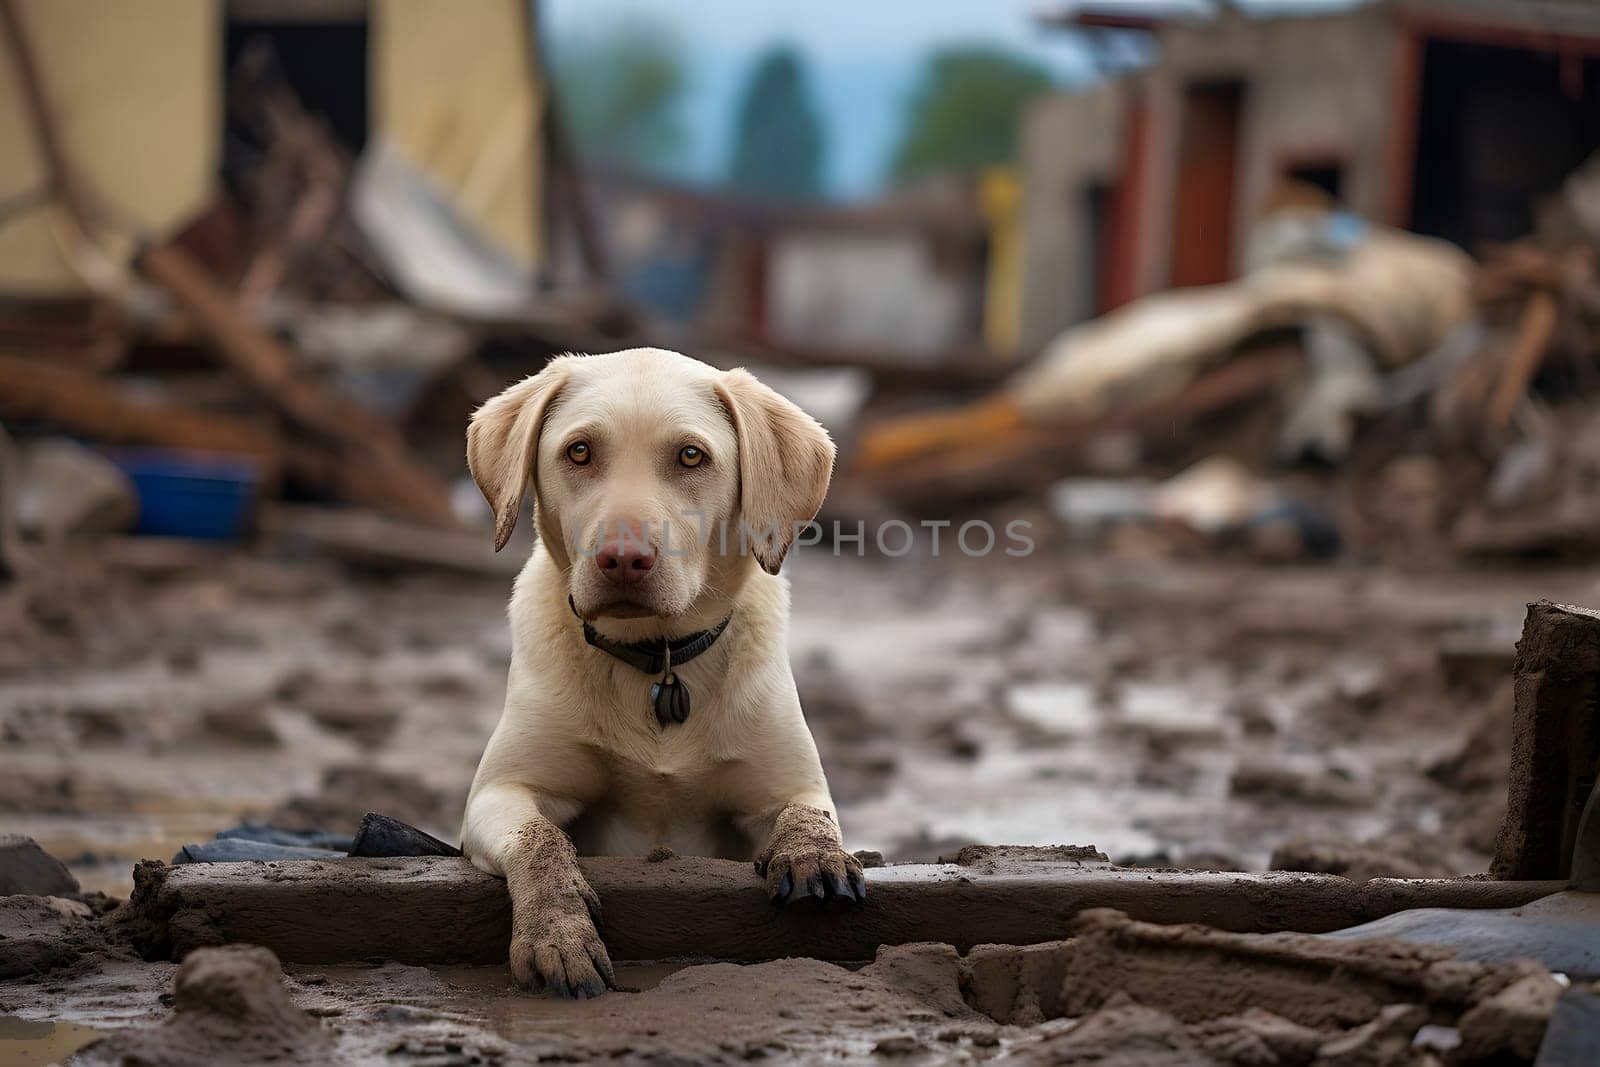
<point>650,700</point>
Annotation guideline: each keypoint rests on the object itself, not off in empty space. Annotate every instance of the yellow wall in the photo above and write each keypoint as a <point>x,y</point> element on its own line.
<point>451,90</point>
<point>136,92</point>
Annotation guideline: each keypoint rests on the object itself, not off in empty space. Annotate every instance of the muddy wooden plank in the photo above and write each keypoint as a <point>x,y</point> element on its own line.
<point>1555,741</point>
<point>95,407</point>
<point>920,458</point>
<point>443,910</point>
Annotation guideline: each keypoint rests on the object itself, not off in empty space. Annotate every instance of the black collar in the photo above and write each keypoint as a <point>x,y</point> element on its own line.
<point>651,657</point>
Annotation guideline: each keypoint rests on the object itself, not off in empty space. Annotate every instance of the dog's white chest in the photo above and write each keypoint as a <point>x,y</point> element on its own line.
<point>672,802</point>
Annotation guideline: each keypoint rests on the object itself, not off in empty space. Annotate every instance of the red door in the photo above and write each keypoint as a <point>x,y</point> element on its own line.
<point>1118,253</point>
<point>1208,151</point>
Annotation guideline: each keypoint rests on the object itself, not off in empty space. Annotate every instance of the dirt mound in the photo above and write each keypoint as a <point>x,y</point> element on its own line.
<point>230,999</point>
<point>1402,856</point>
<point>907,1003</point>
<point>1025,859</point>
<point>1122,1034</point>
<point>42,934</point>
<point>1125,992</point>
<point>1198,974</point>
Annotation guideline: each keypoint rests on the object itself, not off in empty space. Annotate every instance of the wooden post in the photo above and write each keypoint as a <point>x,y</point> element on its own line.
<point>1555,751</point>
<point>46,131</point>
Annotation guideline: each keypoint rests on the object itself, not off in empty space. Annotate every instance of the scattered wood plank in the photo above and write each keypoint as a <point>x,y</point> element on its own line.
<point>446,910</point>
<point>1534,331</point>
<point>95,408</point>
<point>87,404</point>
<point>1024,457</point>
<point>46,130</point>
<point>372,464</point>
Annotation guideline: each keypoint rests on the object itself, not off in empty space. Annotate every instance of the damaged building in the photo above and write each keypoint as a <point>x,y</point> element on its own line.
<point>1449,119</point>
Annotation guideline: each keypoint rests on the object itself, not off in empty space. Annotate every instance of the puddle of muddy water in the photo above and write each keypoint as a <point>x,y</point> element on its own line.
<point>25,1044</point>
<point>519,1017</point>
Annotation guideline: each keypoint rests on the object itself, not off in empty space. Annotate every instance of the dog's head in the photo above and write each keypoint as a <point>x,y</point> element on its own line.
<point>658,481</point>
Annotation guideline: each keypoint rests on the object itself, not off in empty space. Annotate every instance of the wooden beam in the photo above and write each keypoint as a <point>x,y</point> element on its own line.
<point>93,407</point>
<point>1534,330</point>
<point>425,911</point>
<point>929,456</point>
<point>87,404</point>
<point>46,129</point>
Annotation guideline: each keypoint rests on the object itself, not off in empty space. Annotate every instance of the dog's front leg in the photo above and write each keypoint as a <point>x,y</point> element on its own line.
<point>804,858</point>
<point>555,915</point>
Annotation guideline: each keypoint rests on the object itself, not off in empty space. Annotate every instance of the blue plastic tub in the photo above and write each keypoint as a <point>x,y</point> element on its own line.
<point>200,495</point>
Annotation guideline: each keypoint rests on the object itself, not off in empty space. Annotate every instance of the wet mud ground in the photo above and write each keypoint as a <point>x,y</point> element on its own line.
<point>1347,719</point>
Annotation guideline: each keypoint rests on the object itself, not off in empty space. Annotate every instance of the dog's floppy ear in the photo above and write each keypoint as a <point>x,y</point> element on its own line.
<point>503,444</point>
<point>785,462</point>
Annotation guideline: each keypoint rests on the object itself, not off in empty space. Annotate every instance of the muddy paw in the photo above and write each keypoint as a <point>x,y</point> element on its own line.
<point>555,941</point>
<point>565,957</point>
<point>828,873</point>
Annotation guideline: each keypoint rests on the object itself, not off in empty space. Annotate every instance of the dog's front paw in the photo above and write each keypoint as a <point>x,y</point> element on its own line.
<point>813,873</point>
<point>555,942</point>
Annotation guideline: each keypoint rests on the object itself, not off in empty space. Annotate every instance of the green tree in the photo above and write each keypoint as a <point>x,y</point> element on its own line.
<point>778,135</point>
<point>964,112</point>
<point>620,92</point>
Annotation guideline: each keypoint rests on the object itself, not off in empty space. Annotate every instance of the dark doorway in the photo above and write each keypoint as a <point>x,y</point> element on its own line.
<point>1498,129</point>
<point>1208,152</point>
<point>1098,198</point>
<point>1324,174</point>
<point>324,62</point>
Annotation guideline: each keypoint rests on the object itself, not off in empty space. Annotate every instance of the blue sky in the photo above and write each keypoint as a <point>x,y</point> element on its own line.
<point>864,57</point>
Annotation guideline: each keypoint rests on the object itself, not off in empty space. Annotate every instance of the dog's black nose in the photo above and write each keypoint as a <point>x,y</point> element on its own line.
<point>626,561</point>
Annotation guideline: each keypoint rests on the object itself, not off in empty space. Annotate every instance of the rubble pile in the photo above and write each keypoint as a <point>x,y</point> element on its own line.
<point>1358,389</point>
<point>281,343</point>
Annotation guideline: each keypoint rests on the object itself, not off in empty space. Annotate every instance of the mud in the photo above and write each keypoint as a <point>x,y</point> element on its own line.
<point>1183,994</point>
<point>1400,856</point>
<point>1117,992</point>
<point>1122,1034</point>
<point>1175,714</point>
<point>1198,974</point>
<point>226,1001</point>
<point>1512,1022</point>
<point>1162,710</point>
<point>43,934</point>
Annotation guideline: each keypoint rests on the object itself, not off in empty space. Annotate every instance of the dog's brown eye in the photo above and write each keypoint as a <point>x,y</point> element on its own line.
<point>691,456</point>
<point>578,452</point>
